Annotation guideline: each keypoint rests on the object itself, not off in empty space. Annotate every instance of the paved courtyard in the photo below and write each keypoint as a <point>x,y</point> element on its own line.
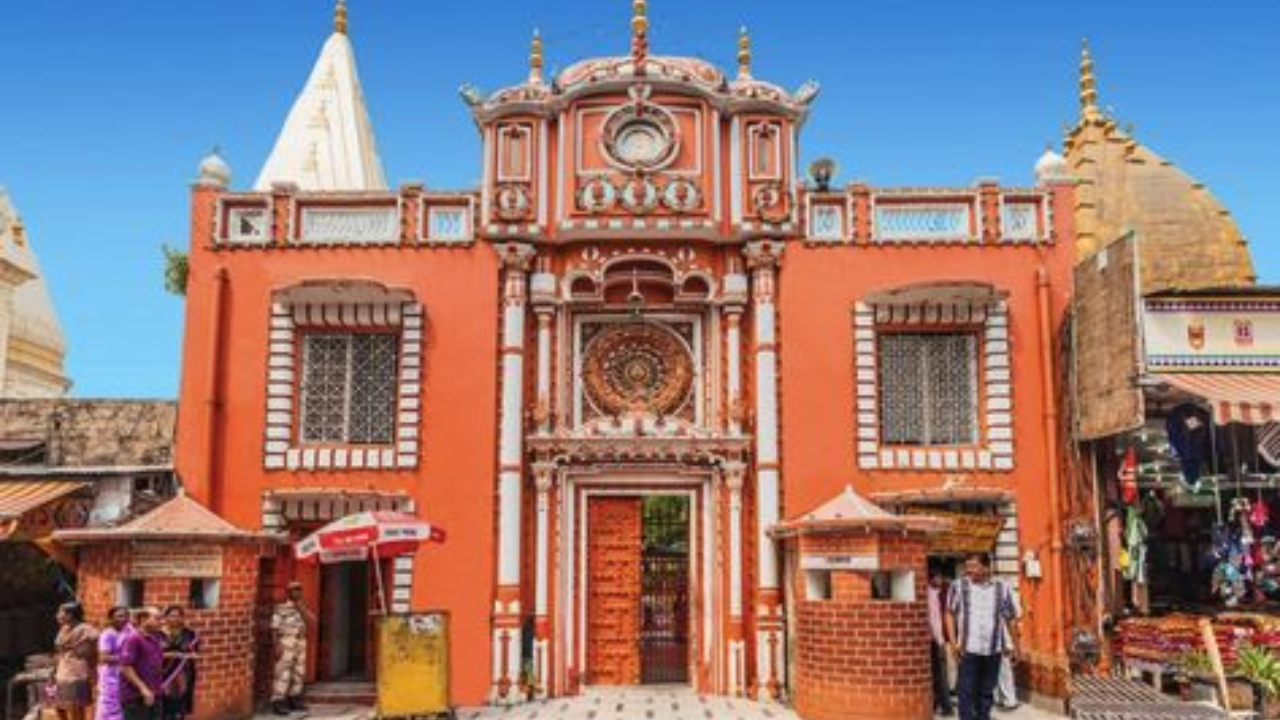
<point>662,704</point>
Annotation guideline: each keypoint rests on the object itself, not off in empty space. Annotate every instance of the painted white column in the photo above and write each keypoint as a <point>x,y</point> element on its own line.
<point>735,293</point>
<point>542,291</point>
<point>507,612</point>
<point>544,475</point>
<point>734,480</point>
<point>763,257</point>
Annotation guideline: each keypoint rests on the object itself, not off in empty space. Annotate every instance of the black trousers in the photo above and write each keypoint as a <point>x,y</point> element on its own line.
<point>137,709</point>
<point>976,686</point>
<point>938,668</point>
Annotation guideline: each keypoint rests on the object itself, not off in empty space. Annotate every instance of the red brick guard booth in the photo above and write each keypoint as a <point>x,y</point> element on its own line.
<point>182,554</point>
<point>857,576</point>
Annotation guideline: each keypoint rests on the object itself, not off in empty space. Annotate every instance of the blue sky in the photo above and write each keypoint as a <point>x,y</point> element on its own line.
<point>108,106</point>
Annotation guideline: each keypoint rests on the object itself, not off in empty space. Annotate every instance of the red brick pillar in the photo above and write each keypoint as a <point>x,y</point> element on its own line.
<point>857,582</point>
<point>224,690</point>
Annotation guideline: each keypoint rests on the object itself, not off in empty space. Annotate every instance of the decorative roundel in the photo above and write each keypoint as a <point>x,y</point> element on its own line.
<point>639,195</point>
<point>681,196</point>
<point>640,137</point>
<point>638,367</point>
<point>512,202</point>
<point>597,195</point>
<point>771,203</point>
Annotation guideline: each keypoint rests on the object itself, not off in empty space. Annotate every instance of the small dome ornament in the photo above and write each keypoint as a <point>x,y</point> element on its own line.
<point>214,171</point>
<point>1051,167</point>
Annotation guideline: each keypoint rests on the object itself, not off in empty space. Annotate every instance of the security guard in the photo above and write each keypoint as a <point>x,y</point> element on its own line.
<point>289,626</point>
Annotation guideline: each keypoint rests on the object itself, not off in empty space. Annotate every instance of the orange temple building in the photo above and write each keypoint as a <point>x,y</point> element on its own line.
<point>614,370</point>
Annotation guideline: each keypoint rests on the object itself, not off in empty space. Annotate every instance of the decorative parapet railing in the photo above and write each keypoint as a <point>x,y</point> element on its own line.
<point>983,215</point>
<point>289,218</point>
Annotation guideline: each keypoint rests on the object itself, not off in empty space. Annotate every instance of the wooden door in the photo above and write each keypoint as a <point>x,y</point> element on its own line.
<point>614,529</point>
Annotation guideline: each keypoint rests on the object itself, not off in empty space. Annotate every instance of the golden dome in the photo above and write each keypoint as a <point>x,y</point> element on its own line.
<point>1188,239</point>
<point>33,341</point>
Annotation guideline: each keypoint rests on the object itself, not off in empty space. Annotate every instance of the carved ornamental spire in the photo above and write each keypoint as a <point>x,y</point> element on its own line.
<point>535,59</point>
<point>340,17</point>
<point>639,31</point>
<point>744,54</point>
<point>1088,86</point>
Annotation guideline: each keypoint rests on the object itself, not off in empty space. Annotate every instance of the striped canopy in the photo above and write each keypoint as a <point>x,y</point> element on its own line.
<point>378,534</point>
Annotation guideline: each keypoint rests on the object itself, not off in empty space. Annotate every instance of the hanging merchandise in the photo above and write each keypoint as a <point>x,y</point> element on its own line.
<point>1189,429</point>
<point>1269,443</point>
<point>1228,580</point>
<point>1260,515</point>
<point>1135,540</point>
<point>1129,477</point>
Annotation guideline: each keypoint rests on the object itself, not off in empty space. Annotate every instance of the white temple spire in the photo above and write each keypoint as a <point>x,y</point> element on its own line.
<point>327,142</point>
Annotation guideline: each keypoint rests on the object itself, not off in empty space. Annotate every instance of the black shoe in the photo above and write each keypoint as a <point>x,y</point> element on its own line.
<point>279,707</point>
<point>295,703</point>
<point>946,712</point>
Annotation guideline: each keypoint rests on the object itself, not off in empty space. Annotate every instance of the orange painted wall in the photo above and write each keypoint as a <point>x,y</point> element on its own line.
<point>818,288</point>
<point>454,482</point>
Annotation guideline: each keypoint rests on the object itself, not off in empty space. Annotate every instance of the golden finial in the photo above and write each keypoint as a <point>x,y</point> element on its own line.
<point>744,53</point>
<point>1088,84</point>
<point>535,58</point>
<point>340,17</point>
<point>639,29</point>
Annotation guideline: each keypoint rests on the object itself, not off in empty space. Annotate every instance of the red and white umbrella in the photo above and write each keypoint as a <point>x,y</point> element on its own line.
<point>377,534</point>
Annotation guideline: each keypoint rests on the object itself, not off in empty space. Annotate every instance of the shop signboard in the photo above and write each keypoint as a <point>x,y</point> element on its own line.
<point>1207,334</point>
<point>171,560</point>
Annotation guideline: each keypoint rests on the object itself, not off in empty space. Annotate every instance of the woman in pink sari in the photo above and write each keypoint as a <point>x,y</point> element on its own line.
<point>109,644</point>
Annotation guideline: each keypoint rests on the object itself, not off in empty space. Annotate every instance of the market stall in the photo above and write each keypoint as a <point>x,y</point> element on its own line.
<point>1192,496</point>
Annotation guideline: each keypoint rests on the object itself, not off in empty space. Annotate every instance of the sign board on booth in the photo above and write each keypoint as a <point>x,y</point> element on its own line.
<point>159,560</point>
<point>840,562</point>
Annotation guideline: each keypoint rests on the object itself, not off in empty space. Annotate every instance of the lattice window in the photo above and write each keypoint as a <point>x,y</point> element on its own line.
<point>1020,221</point>
<point>349,388</point>
<point>928,389</point>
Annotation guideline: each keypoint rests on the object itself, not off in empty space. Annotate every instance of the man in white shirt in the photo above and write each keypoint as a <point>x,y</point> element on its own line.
<point>982,625</point>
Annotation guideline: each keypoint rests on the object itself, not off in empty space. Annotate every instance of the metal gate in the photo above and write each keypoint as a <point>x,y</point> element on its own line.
<point>664,591</point>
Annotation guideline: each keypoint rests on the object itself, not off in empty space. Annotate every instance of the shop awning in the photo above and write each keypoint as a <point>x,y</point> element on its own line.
<point>1248,398</point>
<point>18,497</point>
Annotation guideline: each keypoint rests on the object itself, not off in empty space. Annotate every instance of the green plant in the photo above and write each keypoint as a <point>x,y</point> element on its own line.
<point>1261,667</point>
<point>176,268</point>
<point>1195,663</point>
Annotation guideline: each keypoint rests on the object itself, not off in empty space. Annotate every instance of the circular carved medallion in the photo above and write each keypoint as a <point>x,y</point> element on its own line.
<point>638,367</point>
<point>681,196</point>
<point>640,137</point>
<point>597,195</point>
<point>512,202</point>
<point>639,195</point>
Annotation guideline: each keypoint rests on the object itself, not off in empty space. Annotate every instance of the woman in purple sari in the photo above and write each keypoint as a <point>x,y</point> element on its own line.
<point>109,644</point>
<point>181,650</point>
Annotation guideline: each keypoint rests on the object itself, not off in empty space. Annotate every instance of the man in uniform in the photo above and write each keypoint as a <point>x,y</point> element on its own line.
<point>289,626</point>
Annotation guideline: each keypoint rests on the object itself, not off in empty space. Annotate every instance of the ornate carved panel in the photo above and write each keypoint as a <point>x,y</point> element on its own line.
<point>637,367</point>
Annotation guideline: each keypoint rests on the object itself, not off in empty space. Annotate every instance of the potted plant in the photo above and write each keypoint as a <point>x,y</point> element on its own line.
<point>1195,676</point>
<point>1261,668</point>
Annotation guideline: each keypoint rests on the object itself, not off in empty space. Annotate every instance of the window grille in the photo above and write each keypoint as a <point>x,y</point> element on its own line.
<point>928,389</point>
<point>349,388</point>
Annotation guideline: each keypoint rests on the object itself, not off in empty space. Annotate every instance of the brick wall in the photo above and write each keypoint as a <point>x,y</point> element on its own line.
<point>94,432</point>
<point>857,658</point>
<point>226,667</point>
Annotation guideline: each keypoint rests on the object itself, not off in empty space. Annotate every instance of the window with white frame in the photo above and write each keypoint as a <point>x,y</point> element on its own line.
<point>928,389</point>
<point>349,388</point>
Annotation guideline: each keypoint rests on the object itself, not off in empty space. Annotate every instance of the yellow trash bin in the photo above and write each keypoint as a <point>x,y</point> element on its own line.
<point>413,665</point>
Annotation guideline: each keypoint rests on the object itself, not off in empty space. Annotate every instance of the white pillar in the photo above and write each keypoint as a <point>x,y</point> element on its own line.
<point>762,258</point>
<point>507,611</point>
<point>735,295</point>
<point>734,479</point>
<point>544,474</point>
